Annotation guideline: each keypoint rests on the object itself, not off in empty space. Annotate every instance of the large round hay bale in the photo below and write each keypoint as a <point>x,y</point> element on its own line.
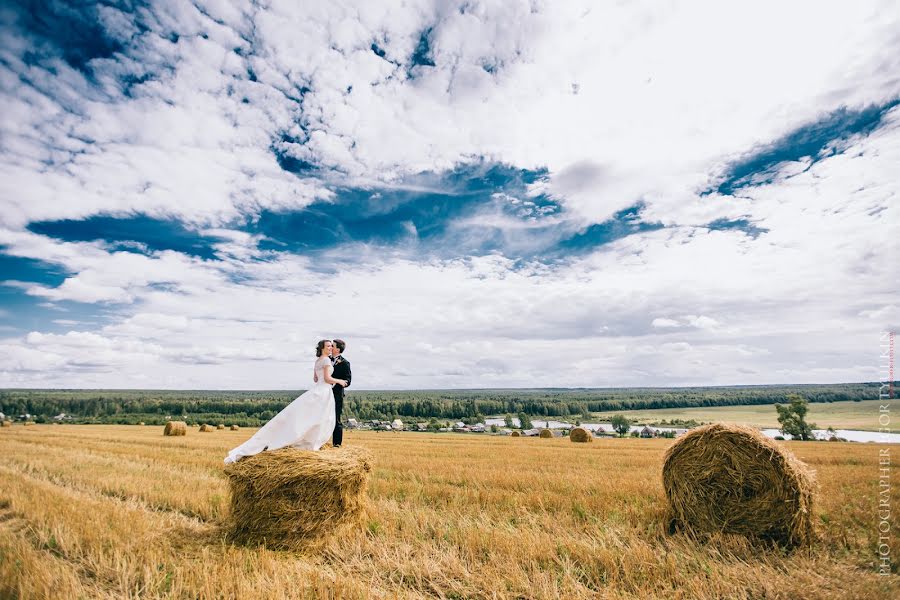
<point>515,434</point>
<point>733,479</point>
<point>580,434</point>
<point>6,424</point>
<point>291,499</point>
<point>235,427</point>
<point>175,428</point>
<point>207,428</point>
<point>220,426</point>
<point>546,433</point>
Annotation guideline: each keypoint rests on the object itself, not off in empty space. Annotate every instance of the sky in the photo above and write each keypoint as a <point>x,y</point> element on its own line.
<point>471,194</point>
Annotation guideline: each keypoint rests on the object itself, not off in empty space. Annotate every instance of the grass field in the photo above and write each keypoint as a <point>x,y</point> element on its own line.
<point>123,512</point>
<point>840,415</point>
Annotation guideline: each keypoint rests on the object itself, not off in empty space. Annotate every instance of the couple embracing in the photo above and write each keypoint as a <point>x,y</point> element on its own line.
<point>314,416</point>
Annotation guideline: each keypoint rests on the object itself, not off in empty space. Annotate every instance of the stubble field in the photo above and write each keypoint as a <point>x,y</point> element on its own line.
<point>123,512</point>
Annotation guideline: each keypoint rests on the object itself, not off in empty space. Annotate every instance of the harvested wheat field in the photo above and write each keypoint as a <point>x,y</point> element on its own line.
<point>101,512</point>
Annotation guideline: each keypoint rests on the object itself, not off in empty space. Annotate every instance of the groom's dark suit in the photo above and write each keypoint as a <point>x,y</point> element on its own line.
<point>341,371</point>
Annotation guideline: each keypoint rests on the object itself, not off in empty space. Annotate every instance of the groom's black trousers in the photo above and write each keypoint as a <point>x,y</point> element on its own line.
<point>338,436</point>
<point>341,371</point>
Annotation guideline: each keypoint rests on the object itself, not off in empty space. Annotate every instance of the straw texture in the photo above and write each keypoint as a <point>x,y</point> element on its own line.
<point>175,428</point>
<point>581,435</point>
<point>292,499</point>
<point>733,479</point>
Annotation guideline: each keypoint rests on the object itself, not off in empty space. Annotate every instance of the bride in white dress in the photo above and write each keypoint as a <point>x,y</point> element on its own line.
<point>305,423</point>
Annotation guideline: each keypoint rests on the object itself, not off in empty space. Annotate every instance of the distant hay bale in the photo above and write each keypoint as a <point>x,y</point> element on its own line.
<point>733,479</point>
<point>580,434</point>
<point>290,499</point>
<point>515,434</point>
<point>220,426</point>
<point>546,433</point>
<point>29,423</point>
<point>175,428</point>
<point>206,427</point>
<point>142,423</point>
<point>6,424</point>
<point>235,427</point>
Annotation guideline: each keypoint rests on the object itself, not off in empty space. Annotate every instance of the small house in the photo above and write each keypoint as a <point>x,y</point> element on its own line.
<point>397,425</point>
<point>646,432</point>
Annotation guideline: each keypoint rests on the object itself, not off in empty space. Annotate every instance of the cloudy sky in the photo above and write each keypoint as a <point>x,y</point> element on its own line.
<point>473,194</point>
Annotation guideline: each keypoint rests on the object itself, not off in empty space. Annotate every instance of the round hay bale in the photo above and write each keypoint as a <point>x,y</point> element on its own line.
<point>546,433</point>
<point>581,435</point>
<point>175,428</point>
<point>28,423</point>
<point>733,479</point>
<point>220,426</point>
<point>206,428</point>
<point>141,423</point>
<point>291,499</point>
<point>515,434</point>
<point>235,427</point>
<point>6,424</point>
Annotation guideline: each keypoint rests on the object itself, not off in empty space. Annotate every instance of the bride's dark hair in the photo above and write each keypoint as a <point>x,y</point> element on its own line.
<point>320,346</point>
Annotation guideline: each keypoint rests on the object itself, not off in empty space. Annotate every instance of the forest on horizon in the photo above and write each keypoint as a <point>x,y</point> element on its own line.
<point>253,408</point>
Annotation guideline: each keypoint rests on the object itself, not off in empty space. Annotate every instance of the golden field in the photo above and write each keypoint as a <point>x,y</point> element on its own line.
<point>123,512</point>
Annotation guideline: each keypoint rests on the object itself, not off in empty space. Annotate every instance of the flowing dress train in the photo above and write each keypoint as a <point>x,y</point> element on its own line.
<point>305,423</point>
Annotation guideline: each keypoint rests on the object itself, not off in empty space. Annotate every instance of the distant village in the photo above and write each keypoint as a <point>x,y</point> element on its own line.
<point>558,430</point>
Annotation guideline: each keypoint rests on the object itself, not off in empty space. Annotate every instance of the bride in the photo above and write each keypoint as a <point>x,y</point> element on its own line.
<point>305,423</point>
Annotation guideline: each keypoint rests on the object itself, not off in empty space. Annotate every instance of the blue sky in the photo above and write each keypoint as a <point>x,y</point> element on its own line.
<point>472,194</point>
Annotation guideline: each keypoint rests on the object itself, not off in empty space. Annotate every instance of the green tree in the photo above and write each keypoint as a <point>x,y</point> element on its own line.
<point>621,424</point>
<point>524,421</point>
<point>508,419</point>
<point>793,418</point>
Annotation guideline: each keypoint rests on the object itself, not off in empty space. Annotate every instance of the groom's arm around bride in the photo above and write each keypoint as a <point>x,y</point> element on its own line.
<point>341,371</point>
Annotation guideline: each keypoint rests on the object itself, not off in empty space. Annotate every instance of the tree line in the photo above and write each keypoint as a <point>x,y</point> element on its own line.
<point>251,408</point>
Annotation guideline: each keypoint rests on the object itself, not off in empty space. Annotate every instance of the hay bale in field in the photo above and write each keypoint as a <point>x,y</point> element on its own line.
<point>733,479</point>
<point>580,434</point>
<point>235,427</point>
<point>28,423</point>
<point>220,426</point>
<point>6,424</point>
<point>546,433</point>
<point>515,434</point>
<point>175,428</point>
<point>206,428</point>
<point>141,423</point>
<point>290,499</point>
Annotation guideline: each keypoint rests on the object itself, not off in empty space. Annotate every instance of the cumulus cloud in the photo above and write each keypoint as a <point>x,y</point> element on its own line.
<point>214,113</point>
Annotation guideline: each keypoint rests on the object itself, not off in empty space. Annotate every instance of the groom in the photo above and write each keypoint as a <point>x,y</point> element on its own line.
<point>341,371</point>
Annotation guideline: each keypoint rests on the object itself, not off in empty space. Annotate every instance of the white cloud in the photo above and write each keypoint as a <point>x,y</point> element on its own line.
<point>620,104</point>
<point>663,322</point>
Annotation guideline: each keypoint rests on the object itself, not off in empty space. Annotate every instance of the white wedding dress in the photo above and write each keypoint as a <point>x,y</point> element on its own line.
<point>306,423</point>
